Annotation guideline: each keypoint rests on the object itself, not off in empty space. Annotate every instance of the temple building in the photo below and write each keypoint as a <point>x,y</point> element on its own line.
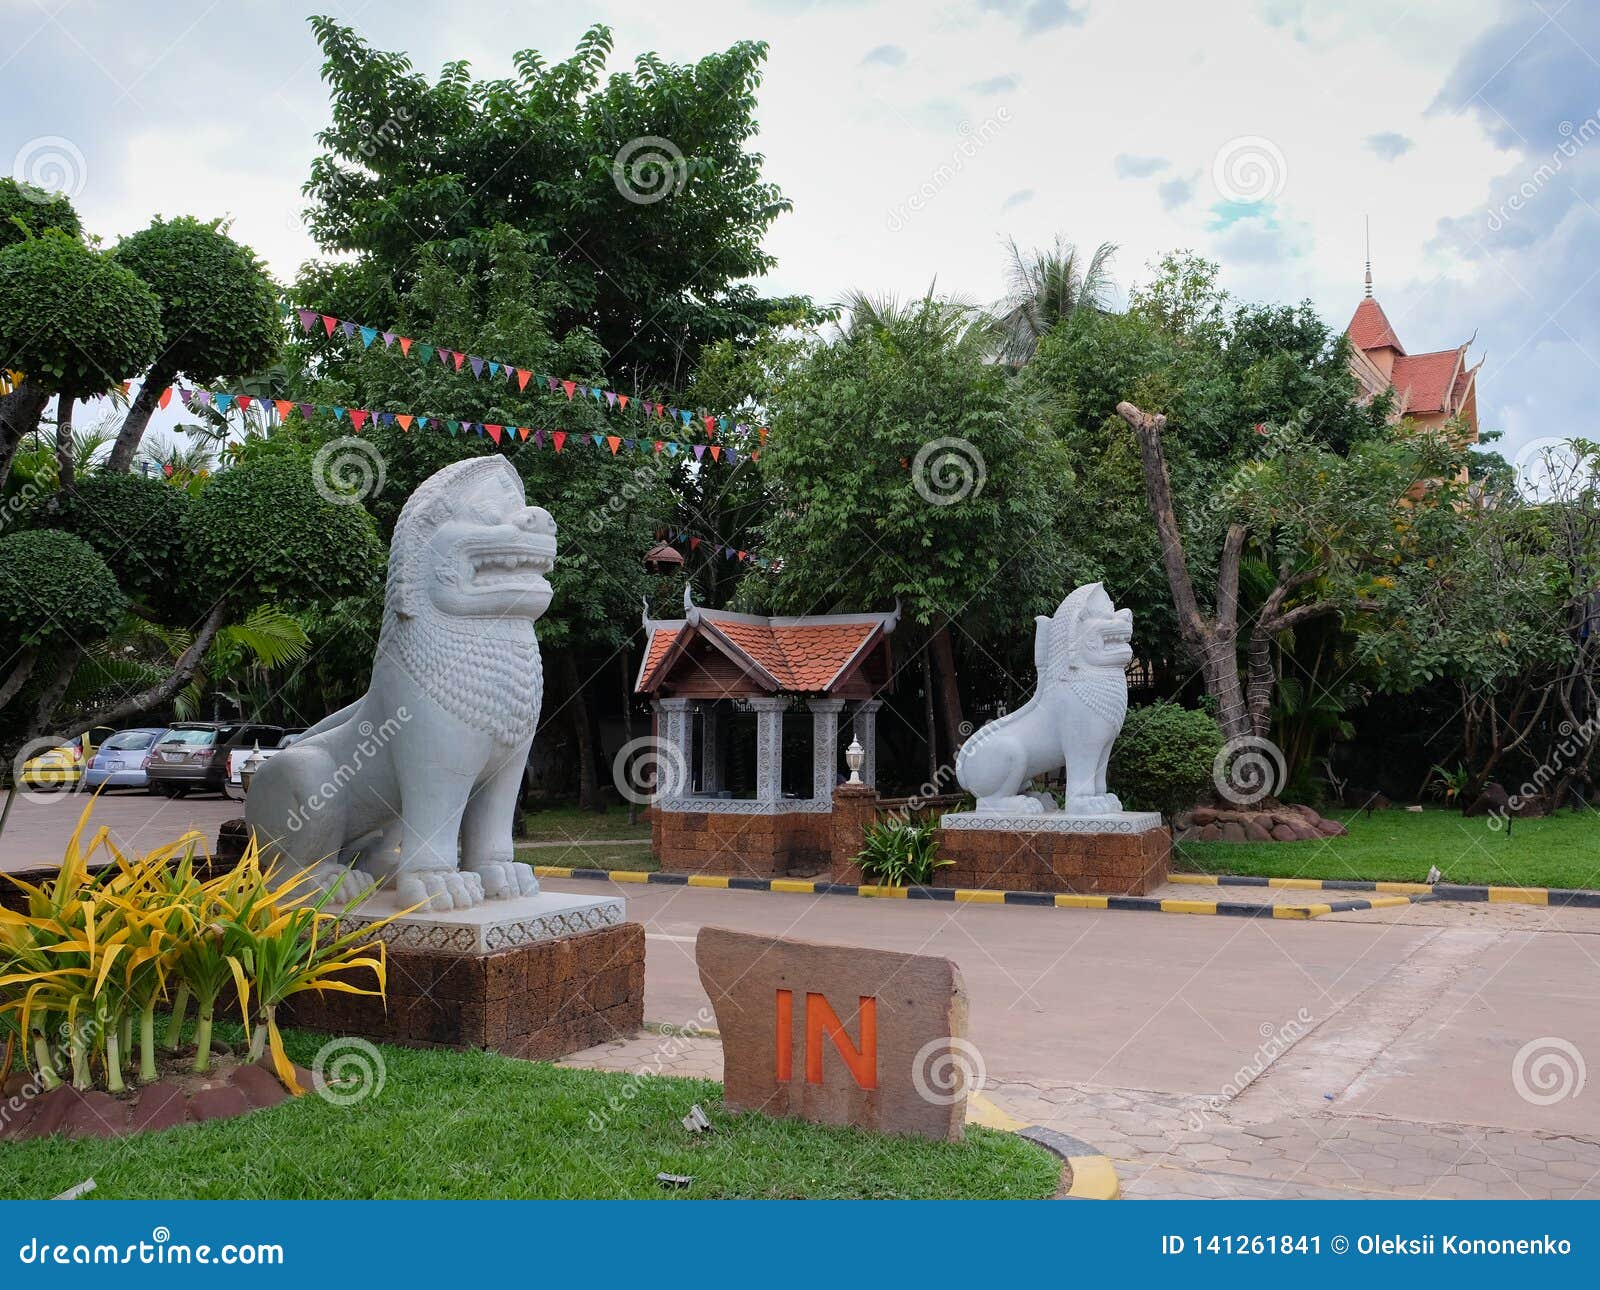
<point>1430,389</point>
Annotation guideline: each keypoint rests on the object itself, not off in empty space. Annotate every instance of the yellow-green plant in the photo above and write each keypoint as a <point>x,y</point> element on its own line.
<point>97,950</point>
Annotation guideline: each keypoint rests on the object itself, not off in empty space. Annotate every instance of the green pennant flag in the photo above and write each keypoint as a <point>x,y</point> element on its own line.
<point>454,426</point>
<point>426,351</point>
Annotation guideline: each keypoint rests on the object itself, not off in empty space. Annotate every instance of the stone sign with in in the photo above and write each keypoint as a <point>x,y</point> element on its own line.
<point>837,1034</point>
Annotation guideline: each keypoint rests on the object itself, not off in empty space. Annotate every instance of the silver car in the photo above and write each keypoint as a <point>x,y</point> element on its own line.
<point>119,762</point>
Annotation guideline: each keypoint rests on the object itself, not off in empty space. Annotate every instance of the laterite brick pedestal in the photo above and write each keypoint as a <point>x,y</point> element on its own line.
<point>1122,855</point>
<point>740,845</point>
<point>537,977</point>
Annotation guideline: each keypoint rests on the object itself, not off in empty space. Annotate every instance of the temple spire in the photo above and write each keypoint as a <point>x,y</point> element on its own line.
<point>1368,220</point>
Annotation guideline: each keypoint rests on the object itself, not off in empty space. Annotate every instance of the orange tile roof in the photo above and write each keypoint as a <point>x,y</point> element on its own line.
<point>804,657</point>
<point>1426,381</point>
<point>661,639</point>
<point>1370,329</point>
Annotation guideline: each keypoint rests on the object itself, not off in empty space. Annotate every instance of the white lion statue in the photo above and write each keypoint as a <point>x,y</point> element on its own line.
<point>430,758</point>
<point>1073,718</point>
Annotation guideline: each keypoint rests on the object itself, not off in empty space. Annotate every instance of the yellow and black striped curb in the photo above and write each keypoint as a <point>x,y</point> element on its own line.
<point>1094,1177</point>
<point>976,896</point>
<point>1556,896</point>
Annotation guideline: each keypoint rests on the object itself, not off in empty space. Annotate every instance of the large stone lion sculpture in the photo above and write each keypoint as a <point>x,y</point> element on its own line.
<point>430,758</point>
<point>1073,718</point>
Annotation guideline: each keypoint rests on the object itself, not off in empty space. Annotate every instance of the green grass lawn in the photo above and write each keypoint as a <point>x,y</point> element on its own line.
<point>591,855</point>
<point>474,1125</point>
<point>1561,850</point>
<point>569,824</point>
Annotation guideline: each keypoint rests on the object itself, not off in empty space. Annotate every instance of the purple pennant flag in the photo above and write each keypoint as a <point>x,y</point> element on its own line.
<point>552,384</point>
<point>444,356</point>
<point>699,451</point>
<point>611,399</point>
<point>477,365</point>
<point>730,456</point>
<point>308,319</point>
<point>187,396</point>
<point>388,339</point>
<point>538,438</point>
<point>349,329</point>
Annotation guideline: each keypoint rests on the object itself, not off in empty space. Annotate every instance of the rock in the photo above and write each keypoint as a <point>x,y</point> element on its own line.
<point>1304,812</point>
<point>159,1106</point>
<point>1332,829</point>
<point>1211,833</point>
<point>261,1086</point>
<point>1203,815</point>
<point>52,1109</point>
<point>1181,821</point>
<point>96,1115</point>
<point>220,1049</point>
<point>1284,833</point>
<point>1256,831</point>
<point>218,1103</point>
<point>17,1083</point>
<point>1304,832</point>
<point>796,1018</point>
<point>1233,831</point>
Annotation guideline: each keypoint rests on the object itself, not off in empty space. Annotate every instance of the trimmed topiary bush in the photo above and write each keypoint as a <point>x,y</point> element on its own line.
<point>134,523</point>
<point>1163,759</point>
<point>262,532</point>
<point>55,587</point>
<point>35,209</point>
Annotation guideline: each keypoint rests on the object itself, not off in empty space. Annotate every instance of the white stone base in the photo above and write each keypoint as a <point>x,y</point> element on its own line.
<point>1054,822</point>
<point>491,926</point>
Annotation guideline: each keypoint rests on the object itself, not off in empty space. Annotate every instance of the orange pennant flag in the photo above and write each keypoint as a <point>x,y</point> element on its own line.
<point>523,431</point>
<point>284,406</point>
<point>522,383</point>
<point>716,452</point>
<point>613,442</point>
<point>405,419</point>
<point>166,397</point>
<point>460,359</point>
<point>405,346</point>
<point>763,433</point>
<point>622,402</point>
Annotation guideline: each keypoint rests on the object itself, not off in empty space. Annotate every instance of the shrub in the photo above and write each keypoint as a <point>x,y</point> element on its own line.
<point>132,521</point>
<point>900,853</point>
<point>35,209</point>
<point>97,951</point>
<point>54,586</point>
<point>1163,759</point>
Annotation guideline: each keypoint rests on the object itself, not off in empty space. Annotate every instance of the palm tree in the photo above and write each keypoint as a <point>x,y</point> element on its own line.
<point>1045,287</point>
<point>944,322</point>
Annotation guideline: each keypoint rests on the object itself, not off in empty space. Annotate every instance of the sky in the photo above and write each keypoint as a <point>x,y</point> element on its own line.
<point>913,137</point>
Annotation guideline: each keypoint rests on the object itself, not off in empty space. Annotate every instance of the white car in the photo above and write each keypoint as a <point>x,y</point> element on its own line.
<point>238,756</point>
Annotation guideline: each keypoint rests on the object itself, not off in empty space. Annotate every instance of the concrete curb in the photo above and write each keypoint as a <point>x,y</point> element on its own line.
<point>1094,1177</point>
<point>1556,896</point>
<point>971,896</point>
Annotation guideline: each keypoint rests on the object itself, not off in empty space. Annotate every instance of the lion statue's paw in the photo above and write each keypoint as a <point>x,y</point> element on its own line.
<point>1098,804</point>
<point>440,890</point>
<point>1018,804</point>
<point>505,879</point>
<point>341,883</point>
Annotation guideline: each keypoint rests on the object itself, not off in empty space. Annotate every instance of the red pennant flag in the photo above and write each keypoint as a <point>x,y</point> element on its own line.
<point>328,324</point>
<point>460,359</point>
<point>558,438</point>
<point>523,431</point>
<point>661,409</point>
<point>716,452</point>
<point>659,447</point>
<point>358,418</point>
<point>694,544</point>
<point>570,387</point>
<point>744,555</point>
<point>166,397</point>
<point>284,406</point>
<point>405,419</point>
<point>522,382</point>
<point>614,442</point>
<point>755,456</point>
<point>244,401</point>
<point>494,431</point>
<point>622,402</point>
<point>711,426</point>
<point>405,346</point>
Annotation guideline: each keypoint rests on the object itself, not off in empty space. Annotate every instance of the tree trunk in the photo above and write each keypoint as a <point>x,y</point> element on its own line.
<point>64,462</point>
<point>927,717</point>
<point>50,700</point>
<point>19,417</point>
<point>944,660</point>
<point>1262,681</point>
<point>182,672</point>
<point>577,707</point>
<point>143,407</point>
<point>627,721</point>
<point>1220,668</point>
<point>19,675</point>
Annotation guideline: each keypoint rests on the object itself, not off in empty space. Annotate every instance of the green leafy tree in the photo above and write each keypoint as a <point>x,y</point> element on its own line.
<point>137,527</point>
<point>219,314</point>
<point>26,211</point>
<point>1047,286</point>
<point>75,321</point>
<point>1163,760</point>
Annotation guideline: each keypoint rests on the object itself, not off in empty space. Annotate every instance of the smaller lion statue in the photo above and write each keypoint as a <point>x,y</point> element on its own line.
<point>415,784</point>
<point>1082,653</point>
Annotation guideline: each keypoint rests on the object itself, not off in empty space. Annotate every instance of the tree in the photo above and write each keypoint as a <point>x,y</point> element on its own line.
<point>1047,286</point>
<point>26,211</point>
<point>55,594</point>
<point>641,189</point>
<point>76,322</point>
<point>219,313</point>
<point>903,465</point>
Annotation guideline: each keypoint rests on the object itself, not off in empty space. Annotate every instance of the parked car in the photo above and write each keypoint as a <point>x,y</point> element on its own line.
<point>119,762</point>
<point>61,768</point>
<point>193,755</point>
<point>242,753</point>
